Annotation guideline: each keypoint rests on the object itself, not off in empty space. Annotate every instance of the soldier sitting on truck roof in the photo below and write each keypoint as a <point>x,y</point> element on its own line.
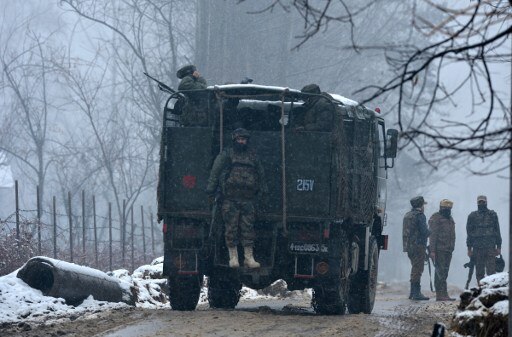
<point>238,173</point>
<point>319,110</point>
<point>195,112</point>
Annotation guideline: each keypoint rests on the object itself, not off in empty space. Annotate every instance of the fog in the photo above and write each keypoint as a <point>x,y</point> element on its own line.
<point>102,117</point>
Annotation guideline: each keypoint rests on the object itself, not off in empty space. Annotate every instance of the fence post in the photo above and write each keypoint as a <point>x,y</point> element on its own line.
<point>110,235</point>
<point>16,195</point>
<point>38,221</point>
<point>95,232</point>
<point>133,241</point>
<point>54,228</point>
<point>152,234</point>
<point>83,226</point>
<point>70,227</point>
<point>143,232</point>
<point>123,231</point>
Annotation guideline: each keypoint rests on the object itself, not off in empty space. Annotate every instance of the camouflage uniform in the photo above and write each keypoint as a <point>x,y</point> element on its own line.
<point>241,179</point>
<point>415,234</point>
<point>195,112</point>
<point>483,238</point>
<point>442,244</point>
<point>319,111</point>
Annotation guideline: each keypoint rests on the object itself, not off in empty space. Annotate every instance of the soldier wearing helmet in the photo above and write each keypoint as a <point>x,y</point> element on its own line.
<point>194,112</point>
<point>483,238</point>
<point>238,175</point>
<point>318,110</point>
<point>415,234</point>
<point>442,244</point>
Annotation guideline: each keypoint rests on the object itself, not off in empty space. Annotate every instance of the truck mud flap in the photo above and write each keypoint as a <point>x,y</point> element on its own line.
<point>182,262</point>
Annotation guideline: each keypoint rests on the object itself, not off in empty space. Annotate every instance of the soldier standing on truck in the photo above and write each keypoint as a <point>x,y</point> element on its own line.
<point>442,244</point>
<point>194,113</point>
<point>319,111</point>
<point>415,234</point>
<point>483,238</point>
<point>238,175</point>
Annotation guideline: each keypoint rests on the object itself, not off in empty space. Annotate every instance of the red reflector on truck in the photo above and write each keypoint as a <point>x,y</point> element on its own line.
<point>164,228</point>
<point>384,245</point>
<point>189,181</point>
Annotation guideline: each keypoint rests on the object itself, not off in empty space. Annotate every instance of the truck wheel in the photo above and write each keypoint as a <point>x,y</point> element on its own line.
<point>184,292</point>
<point>224,289</point>
<point>363,286</point>
<point>330,298</point>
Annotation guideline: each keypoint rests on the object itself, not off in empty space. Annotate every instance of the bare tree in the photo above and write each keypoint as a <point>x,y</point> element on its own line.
<point>27,72</point>
<point>472,37</point>
<point>152,36</point>
<point>115,144</point>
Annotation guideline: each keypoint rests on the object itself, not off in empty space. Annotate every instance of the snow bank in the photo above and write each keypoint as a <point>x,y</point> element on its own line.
<point>21,303</point>
<point>484,310</point>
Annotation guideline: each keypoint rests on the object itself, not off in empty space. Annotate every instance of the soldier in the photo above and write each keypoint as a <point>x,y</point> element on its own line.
<point>415,234</point>
<point>319,111</point>
<point>238,173</point>
<point>195,112</point>
<point>483,238</point>
<point>442,244</point>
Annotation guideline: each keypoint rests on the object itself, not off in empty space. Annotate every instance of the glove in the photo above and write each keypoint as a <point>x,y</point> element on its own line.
<point>159,217</point>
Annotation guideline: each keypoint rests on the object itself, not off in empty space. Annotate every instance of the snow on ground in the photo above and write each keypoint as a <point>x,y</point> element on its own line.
<point>484,309</point>
<point>21,303</point>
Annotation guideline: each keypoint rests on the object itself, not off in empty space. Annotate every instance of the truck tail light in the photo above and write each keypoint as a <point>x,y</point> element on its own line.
<point>322,268</point>
<point>164,228</point>
<point>327,231</point>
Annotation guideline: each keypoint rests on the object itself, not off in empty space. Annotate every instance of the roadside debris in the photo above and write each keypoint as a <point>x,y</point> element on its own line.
<point>483,311</point>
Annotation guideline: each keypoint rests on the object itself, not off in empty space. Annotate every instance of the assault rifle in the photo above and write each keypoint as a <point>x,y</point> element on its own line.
<point>471,266</point>
<point>427,257</point>
<point>162,86</point>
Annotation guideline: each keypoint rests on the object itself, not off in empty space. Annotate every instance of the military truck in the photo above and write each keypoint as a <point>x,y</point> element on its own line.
<point>321,224</point>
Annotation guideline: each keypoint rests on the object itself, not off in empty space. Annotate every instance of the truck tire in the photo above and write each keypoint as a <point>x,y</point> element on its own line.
<point>330,298</point>
<point>184,292</point>
<point>363,285</point>
<point>224,288</point>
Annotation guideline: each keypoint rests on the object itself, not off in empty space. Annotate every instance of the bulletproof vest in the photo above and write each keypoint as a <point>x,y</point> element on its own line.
<point>483,224</point>
<point>241,179</point>
<point>406,230</point>
<point>411,233</point>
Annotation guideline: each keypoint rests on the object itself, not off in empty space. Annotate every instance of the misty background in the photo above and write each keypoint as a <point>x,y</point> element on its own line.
<point>77,112</point>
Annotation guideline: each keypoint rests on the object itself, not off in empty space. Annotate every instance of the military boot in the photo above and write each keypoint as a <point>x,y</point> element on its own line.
<point>443,296</point>
<point>417,295</point>
<point>233,257</point>
<point>249,261</point>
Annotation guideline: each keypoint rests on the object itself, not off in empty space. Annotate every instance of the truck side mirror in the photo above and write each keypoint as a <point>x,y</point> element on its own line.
<point>392,143</point>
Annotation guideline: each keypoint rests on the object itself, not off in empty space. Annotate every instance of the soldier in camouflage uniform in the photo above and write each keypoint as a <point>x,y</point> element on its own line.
<point>195,112</point>
<point>319,111</point>
<point>238,173</point>
<point>483,238</point>
<point>442,244</point>
<point>415,234</point>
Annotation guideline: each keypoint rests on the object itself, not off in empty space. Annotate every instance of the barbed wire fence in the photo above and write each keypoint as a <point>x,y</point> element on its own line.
<point>81,236</point>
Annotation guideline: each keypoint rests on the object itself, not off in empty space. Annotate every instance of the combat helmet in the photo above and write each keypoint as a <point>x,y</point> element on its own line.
<point>417,202</point>
<point>311,89</point>
<point>185,71</point>
<point>240,132</point>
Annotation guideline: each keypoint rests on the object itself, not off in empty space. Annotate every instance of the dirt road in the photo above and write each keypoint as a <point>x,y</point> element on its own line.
<point>394,315</point>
